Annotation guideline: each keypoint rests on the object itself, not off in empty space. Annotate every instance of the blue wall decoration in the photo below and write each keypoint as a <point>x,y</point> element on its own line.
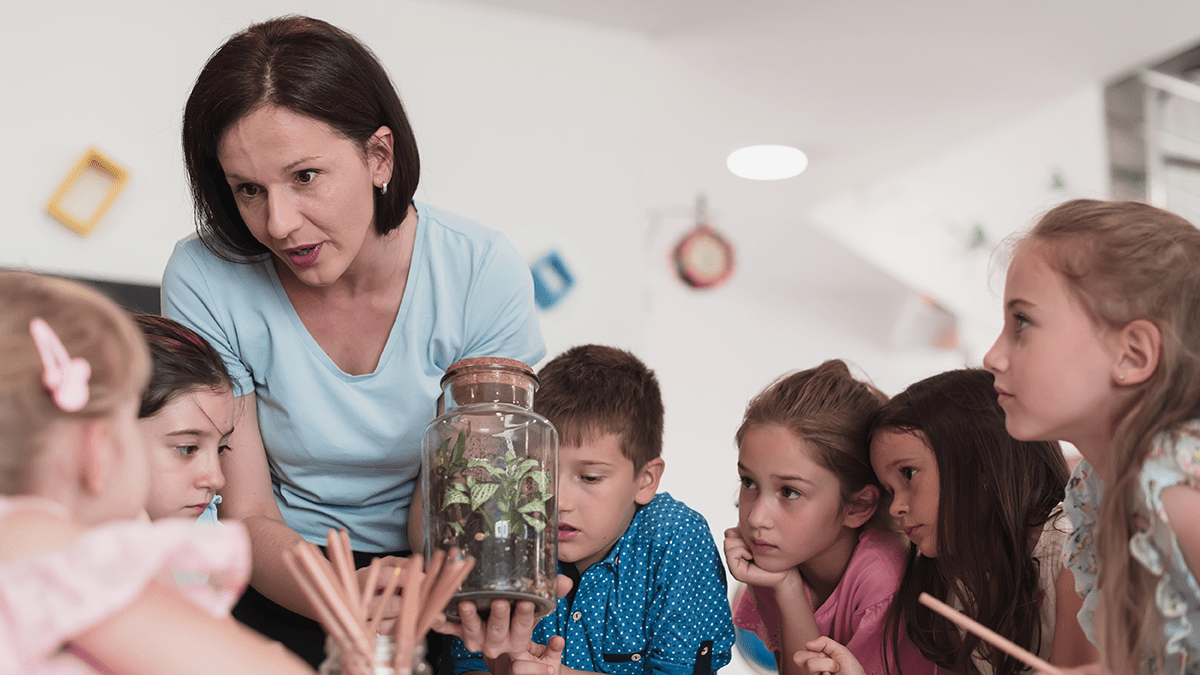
<point>552,279</point>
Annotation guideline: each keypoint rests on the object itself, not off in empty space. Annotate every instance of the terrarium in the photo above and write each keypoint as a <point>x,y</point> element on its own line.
<point>489,472</point>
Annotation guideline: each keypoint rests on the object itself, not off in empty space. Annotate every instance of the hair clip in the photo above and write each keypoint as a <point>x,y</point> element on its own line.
<point>64,377</point>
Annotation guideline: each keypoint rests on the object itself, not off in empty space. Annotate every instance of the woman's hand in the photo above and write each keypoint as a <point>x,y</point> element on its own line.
<point>742,567</point>
<point>383,604</point>
<point>825,655</point>
<point>506,631</point>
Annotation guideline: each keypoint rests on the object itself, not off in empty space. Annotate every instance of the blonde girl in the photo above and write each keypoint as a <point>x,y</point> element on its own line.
<point>79,578</point>
<point>817,554</point>
<point>1101,348</point>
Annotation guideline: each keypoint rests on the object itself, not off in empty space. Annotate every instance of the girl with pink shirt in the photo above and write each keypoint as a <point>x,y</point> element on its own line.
<point>85,585</point>
<point>818,557</point>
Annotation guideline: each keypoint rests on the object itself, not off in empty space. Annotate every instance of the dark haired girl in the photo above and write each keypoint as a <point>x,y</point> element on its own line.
<point>186,415</point>
<point>982,512</point>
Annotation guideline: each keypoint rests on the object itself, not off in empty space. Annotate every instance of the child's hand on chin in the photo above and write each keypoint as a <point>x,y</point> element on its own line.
<point>824,655</point>
<point>742,567</point>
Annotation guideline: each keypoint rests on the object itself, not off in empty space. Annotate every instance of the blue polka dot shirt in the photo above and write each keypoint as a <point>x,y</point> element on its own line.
<point>657,604</point>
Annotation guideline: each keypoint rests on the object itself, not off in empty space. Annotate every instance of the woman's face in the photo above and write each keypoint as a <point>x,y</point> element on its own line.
<point>305,192</point>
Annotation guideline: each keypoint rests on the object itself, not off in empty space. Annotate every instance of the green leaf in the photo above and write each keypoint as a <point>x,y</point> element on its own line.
<point>496,473</point>
<point>481,493</point>
<point>458,529</point>
<point>533,507</point>
<point>460,447</point>
<point>542,479</point>
<point>534,522</point>
<point>524,467</point>
<point>455,497</point>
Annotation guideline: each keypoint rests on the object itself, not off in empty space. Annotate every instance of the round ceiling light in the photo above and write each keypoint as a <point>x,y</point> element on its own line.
<point>767,162</point>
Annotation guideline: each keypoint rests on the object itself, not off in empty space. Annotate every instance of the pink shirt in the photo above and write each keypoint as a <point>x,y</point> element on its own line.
<point>855,613</point>
<point>48,598</point>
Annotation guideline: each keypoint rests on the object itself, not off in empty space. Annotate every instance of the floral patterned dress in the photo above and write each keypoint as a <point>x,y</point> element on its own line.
<point>1173,460</point>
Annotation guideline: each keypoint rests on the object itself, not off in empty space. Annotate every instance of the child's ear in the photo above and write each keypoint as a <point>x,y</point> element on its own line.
<point>1139,348</point>
<point>861,507</point>
<point>647,480</point>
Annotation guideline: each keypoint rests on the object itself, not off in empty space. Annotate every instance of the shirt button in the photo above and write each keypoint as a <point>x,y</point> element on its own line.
<point>636,657</point>
<point>576,616</point>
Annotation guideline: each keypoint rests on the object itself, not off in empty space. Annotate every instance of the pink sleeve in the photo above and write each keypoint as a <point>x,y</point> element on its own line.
<point>757,612</point>
<point>46,599</point>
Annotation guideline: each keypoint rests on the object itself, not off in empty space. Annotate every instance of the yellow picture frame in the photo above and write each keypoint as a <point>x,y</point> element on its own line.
<point>82,199</point>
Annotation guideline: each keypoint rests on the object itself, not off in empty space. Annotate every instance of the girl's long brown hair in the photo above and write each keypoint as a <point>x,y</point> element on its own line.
<point>1127,261</point>
<point>994,492</point>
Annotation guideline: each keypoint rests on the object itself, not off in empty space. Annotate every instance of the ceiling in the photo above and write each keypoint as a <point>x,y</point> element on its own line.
<point>867,86</point>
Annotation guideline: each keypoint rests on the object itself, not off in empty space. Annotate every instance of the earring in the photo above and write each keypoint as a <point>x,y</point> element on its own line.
<point>383,189</point>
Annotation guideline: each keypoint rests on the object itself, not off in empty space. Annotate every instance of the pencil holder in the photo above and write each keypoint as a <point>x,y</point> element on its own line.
<point>489,474</point>
<point>381,664</point>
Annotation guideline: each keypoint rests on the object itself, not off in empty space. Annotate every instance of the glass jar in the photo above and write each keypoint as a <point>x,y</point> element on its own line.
<point>381,664</point>
<point>489,474</point>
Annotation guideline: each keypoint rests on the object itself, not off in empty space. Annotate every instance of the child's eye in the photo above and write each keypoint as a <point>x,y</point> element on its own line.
<point>790,493</point>
<point>187,450</point>
<point>747,484</point>
<point>306,176</point>
<point>1021,321</point>
<point>908,473</point>
<point>591,479</point>
<point>222,449</point>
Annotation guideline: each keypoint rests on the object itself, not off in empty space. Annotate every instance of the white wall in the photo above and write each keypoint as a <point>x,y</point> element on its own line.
<point>529,125</point>
<point>915,223</point>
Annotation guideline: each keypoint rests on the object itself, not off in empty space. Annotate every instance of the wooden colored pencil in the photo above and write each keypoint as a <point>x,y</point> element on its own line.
<point>406,624</point>
<point>342,613</point>
<point>454,572</point>
<point>330,584</point>
<point>988,635</point>
<point>368,590</point>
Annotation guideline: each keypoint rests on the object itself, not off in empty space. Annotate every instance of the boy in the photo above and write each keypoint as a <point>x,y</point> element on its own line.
<point>649,590</point>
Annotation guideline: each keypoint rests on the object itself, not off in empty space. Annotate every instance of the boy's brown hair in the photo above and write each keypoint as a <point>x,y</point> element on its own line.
<point>591,390</point>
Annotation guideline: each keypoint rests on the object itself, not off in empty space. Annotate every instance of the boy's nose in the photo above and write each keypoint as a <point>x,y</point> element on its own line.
<point>565,497</point>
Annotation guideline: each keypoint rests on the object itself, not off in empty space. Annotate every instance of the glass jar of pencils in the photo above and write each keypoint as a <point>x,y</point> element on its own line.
<point>489,474</point>
<point>383,661</point>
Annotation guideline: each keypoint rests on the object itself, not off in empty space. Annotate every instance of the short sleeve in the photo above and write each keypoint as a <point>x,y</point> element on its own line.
<point>501,317</point>
<point>187,297</point>
<point>47,599</point>
<point>692,624</point>
<point>757,612</point>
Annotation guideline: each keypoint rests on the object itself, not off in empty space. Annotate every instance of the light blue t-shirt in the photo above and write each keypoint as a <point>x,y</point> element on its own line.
<point>344,450</point>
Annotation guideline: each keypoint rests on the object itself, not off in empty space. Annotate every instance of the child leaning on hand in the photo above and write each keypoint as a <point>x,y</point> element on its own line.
<point>649,591</point>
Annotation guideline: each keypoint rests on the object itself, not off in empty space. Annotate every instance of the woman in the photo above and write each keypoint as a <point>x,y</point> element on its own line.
<point>334,299</point>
